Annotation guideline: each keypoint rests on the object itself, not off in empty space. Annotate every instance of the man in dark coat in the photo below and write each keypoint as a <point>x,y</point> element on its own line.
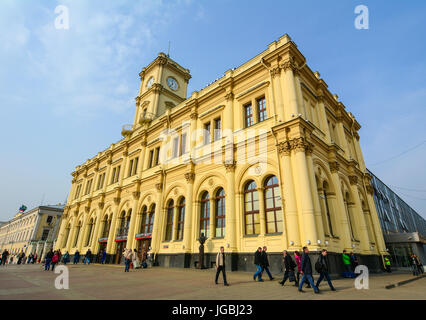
<point>48,260</point>
<point>323,269</point>
<point>4,256</point>
<point>258,262</point>
<point>289,266</point>
<point>265,263</point>
<point>307,270</point>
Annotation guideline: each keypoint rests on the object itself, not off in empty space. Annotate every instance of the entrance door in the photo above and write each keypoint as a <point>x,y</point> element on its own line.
<point>143,247</point>
<point>102,248</point>
<point>119,253</point>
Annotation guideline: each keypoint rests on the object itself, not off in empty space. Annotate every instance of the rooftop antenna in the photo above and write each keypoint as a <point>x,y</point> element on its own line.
<point>168,51</point>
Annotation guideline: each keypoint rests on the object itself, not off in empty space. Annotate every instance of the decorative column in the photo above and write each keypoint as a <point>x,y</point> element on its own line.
<point>342,135</point>
<point>262,217</point>
<point>359,216</point>
<point>323,117</point>
<point>70,240</point>
<point>380,243</point>
<point>156,234</point>
<point>231,231</point>
<point>142,154</point>
<point>112,229</point>
<point>343,224</point>
<point>125,165</point>
<point>187,227</point>
<point>289,89</point>
<point>108,171</point>
<point>289,203</point>
<point>131,241</point>
<point>95,244</point>
<point>314,191</point>
<point>64,222</point>
<point>299,145</point>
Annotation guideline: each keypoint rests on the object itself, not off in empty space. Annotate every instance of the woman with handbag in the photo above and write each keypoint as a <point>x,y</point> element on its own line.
<point>289,266</point>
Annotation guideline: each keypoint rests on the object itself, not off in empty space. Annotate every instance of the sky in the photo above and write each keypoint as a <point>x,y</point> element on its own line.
<point>65,93</point>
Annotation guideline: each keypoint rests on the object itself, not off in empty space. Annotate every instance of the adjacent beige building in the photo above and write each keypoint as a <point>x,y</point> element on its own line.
<point>33,231</point>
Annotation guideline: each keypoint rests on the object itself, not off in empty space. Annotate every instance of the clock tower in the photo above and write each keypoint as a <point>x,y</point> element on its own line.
<point>163,85</point>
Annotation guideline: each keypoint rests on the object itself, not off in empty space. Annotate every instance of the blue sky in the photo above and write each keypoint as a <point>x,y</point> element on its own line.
<point>64,94</point>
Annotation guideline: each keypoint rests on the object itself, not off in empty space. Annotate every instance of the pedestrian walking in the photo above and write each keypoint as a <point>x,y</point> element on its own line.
<point>289,266</point>
<point>258,263</point>
<point>135,261</point>
<point>322,268</point>
<point>306,267</point>
<point>298,258</point>
<point>76,257</point>
<point>387,264</point>
<point>88,256</point>
<point>265,263</point>
<point>127,259</point>
<point>354,260</point>
<point>30,256</point>
<point>419,265</point>
<point>48,260</point>
<point>220,266</point>
<point>4,256</point>
<point>103,256</point>
<point>34,258</point>
<point>347,265</point>
<point>55,259</point>
<point>66,258</point>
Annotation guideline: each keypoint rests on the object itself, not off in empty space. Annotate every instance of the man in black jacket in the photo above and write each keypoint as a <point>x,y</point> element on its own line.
<point>289,266</point>
<point>307,271</point>
<point>265,263</point>
<point>48,260</point>
<point>323,269</point>
<point>258,263</point>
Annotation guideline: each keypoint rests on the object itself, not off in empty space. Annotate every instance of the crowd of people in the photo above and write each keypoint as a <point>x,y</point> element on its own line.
<point>300,269</point>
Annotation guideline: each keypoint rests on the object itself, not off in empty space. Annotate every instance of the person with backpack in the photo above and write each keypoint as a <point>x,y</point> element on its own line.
<point>258,262</point>
<point>48,260</point>
<point>306,272</point>
<point>321,266</point>
<point>55,259</point>
<point>66,258</point>
<point>289,266</point>
<point>346,264</point>
<point>88,257</point>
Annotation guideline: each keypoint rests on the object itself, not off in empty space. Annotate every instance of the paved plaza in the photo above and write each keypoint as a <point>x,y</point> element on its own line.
<point>111,282</point>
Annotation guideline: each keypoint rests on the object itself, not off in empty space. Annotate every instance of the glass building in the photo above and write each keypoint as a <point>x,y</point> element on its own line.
<point>403,228</point>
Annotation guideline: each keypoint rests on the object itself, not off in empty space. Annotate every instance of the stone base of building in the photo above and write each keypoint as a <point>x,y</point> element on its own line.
<point>244,261</point>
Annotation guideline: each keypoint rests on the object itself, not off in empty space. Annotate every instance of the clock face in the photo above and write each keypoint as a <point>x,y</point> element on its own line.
<point>150,82</point>
<point>172,83</point>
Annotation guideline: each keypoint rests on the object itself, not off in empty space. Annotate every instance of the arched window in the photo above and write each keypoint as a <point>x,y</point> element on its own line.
<point>144,220</point>
<point>273,210</point>
<point>181,219</point>
<point>220,213</point>
<point>77,234</point>
<point>151,219</point>
<point>205,214</point>
<point>327,208</point>
<point>169,225</point>
<point>89,232</point>
<point>251,208</point>
<point>107,225</point>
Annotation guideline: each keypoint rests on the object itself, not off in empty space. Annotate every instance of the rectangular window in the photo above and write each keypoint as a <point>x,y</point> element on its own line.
<point>157,156</point>
<point>183,144</point>
<point>118,173</point>
<point>261,109</point>
<point>217,129</point>
<point>175,147</point>
<point>207,133</point>
<point>130,168</point>
<point>113,175</point>
<point>248,115</point>
<point>135,165</point>
<point>151,157</point>
<point>45,235</point>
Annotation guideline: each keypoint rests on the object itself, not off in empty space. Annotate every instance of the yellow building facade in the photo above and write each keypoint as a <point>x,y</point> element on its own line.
<point>34,231</point>
<point>265,155</point>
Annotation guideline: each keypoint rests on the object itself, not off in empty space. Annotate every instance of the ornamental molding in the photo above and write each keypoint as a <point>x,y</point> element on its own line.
<point>101,205</point>
<point>284,148</point>
<point>334,166</point>
<point>117,200</point>
<point>370,189</point>
<point>289,65</point>
<point>194,116</point>
<point>156,87</point>
<point>353,180</point>
<point>229,96</point>
<point>275,72</point>
<point>190,176</point>
<point>159,186</point>
<point>230,166</point>
<point>136,195</point>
